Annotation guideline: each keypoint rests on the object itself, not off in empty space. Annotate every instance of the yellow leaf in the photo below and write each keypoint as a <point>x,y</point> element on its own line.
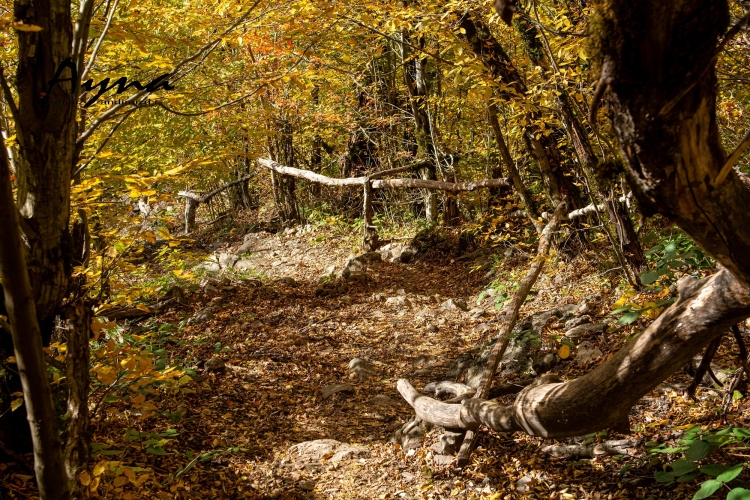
<point>94,484</point>
<point>129,474</point>
<point>100,468</point>
<point>11,359</point>
<point>84,478</point>
<point>120,481</point>
<point>142,478</point>
<point>16,404</point>
<point>564,351</point>
<point>143,308</point>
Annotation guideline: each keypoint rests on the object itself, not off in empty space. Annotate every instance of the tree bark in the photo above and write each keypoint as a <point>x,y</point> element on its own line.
<point>46,132</point>
<point>603,397</point>
<point>674,152</point>
<point>540,146</point>
<point>27,342</point>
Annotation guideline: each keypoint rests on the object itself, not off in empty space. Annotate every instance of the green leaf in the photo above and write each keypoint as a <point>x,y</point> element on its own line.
<point>739,494</point>
<point>688,477</point>
<point>682,466</point>
<point>713,469</point>
<point>741,433</point>
<point>707,489</point>
<point>649,277</point>
<point>732,473</point>
<point>663,477</point>
<point>156,450</point>
<point>628,318</point>
<point>698,450</point>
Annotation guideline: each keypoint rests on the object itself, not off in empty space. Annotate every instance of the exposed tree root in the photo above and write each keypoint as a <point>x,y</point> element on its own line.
<point>603,397</point>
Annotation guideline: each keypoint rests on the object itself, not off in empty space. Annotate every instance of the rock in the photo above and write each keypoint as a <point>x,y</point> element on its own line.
<point>360,263</point>
<point>399,301</point>
<point>431,328</point>
<point>443,460</point>
<point>306,485</point>
<point>381,400</point>
<point>246,247</point>
<point>527,482</point>
<point>400,253</point>
<point>363,367</point>
<point>330,390</point>
<point>288,281</point>
<point>376,297</point>
<point>407,477</point>
<point>450,442</point>
<point>577,321</point>
<point>210,266</point>
<point>452,304</point>
<point>210,289</point>
<point>334,451</point>
<point>331,270</point>
<point>477,312</point>
<point>202,316</point>
<point>244,265</point>
<point>357,276</point>
<point>227,260</point>
<point>542,363</point>
<point>215,365</point>
<point>410,435</point>
<point>256,324</point>
<point>482,328</point>
<point>587,352</point>
<point>346,300</point>
<point>582,331</point>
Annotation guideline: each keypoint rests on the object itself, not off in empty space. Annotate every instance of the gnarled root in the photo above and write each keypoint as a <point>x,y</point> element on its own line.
<point>603,397</point>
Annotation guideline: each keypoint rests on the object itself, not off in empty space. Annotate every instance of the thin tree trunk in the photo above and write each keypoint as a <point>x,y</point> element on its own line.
<point>27,342</point>
<point>528,201</point>
<point>629,245</point>
<point>540,146</point>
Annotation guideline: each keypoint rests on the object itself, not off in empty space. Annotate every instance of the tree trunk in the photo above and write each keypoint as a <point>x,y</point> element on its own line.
<point>286,184</point>
<point>540,146</point>
<point>528,201</point>
<point>27,342</point>
<point>630,246</point>
<point>46,132</point>
<point>704,310</point>
<point>414,77</point>
<point>78,321</point>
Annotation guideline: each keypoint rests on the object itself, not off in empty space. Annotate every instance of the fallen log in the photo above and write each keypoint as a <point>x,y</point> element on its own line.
<point>603,397</point>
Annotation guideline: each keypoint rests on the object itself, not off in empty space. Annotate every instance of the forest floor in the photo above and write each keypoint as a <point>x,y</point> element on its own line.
<point>231,433</point>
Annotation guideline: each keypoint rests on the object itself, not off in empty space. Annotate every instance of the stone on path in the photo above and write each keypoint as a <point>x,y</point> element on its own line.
<point>214,365</point>
<point>330,449</point>
<point>330,390</point>
<point>381,400</point>
<point>452,304</point>
<point>363,367</point>
<point>587,352</point>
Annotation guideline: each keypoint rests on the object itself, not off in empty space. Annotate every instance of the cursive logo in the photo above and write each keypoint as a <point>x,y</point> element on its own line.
<point>103,86</point>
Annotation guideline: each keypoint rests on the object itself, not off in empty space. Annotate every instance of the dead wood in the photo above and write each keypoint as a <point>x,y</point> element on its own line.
<point>603,397</point>
<point>511,316</point>
<point>592,450</point>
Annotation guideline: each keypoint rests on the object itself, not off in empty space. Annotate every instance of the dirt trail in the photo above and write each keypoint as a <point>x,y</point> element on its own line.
<point>283,342</point>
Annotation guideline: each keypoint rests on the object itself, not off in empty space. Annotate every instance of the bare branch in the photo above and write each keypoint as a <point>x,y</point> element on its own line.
<point>98,44</point>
